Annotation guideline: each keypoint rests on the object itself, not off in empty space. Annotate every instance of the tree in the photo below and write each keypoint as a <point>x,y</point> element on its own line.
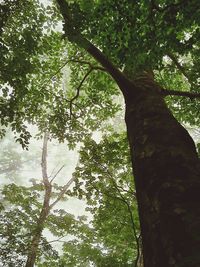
<point>24,240</point>
<point>138,37</point>
<point>111,236</point>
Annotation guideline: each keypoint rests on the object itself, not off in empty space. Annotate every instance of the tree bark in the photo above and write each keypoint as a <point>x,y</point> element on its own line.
<point>37,237</point>
<point>165,166</point>
<point>166,171</point>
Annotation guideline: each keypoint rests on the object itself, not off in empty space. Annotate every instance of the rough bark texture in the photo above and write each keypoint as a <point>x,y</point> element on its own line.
<point>167,178</point>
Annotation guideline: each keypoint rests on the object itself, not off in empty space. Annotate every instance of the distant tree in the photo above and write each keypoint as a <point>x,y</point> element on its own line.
<point>23,218</point>
<point>111,237</point>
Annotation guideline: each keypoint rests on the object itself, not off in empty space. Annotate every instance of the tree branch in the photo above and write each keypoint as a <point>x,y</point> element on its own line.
<point>37,233</point>
<point>73,34</point>
<point>96,67</point>
<point>81,83</point>
<point>191,95</point>
<point>62,192</point>
<point>178,65</point>
<point>78,90</point>
<point>57,173</point>
<point>122,198</point>
<point>132,220</point>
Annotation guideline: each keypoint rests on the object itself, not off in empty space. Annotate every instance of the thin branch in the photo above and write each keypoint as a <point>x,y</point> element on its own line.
<point>133,227</point>
<point>191,95</point>
<point>127,191</point>
<point>96,67</point>
<point>132,221</point>
<point>78,89</point>
<point>62,192</point>
<point>129,210</point>
<point>55,240</point>
<point>57,173</point>
<point>167,92</point>
<point>113,181</point>
<point>178,65</point>
<point>107,193</point>
<point>81,83</point>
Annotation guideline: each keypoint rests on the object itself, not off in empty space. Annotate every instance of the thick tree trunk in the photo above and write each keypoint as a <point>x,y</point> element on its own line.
<point>167,178</point>
<point>165,165</point>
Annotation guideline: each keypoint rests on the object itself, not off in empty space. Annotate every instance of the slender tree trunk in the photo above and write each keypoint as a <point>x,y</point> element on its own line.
<point>45,209</point>
<point>36,238</point>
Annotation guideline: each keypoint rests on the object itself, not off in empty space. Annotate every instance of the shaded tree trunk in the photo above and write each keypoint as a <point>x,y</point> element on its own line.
<point>166,171</point>
<point>165,165</point>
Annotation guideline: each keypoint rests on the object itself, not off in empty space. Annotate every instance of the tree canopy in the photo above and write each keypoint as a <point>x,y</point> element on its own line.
<point>159,35</point>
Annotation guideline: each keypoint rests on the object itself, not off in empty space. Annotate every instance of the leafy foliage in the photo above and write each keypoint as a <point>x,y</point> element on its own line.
<point>104,178</point>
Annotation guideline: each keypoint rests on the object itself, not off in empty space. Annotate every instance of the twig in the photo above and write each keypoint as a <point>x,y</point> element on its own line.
<point>74,35</point>
<point>62,192</point>
<point>96,67</point>
<point>78,90</point>
<point>57,173</point>
<point>55,240</point>
<point>132,222</point>
<point>178,65</point>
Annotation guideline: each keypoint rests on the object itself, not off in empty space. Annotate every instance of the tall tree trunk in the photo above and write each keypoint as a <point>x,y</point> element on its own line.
<point>165,165</point>
<point>167,178</point>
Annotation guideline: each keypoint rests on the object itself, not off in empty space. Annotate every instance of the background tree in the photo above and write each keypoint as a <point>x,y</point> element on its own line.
<point>107,239</point>
<point>24,217</point>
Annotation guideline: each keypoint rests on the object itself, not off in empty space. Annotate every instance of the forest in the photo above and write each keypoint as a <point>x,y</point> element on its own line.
<point>100,133</point>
